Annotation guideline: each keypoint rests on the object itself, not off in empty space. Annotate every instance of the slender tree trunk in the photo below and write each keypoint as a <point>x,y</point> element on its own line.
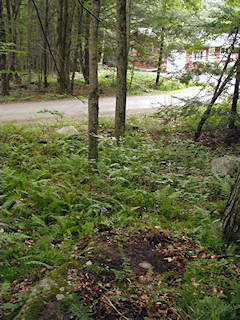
<point>45,46</point>
<point>12,13</point>
<point>84,47</point>
<point>128,28</point>
<point>231,215</point>
<point>74,66</point>
<point>29,45</point>
<point>3,56</point>
<point>160,58</point>
<point>233,116</point>
<point>78,44</point>
<point>93,83</point>
<point>121,91</point>
<point>69,39</point>
<point>60,46</point>
<point>64,28</point>
<point>219,89</point>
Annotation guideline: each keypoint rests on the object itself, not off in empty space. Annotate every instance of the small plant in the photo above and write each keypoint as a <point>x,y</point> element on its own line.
<point>75,306</point>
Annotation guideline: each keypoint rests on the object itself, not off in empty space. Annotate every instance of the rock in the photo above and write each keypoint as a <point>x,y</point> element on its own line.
<point>84,127</point>
<point>226,165</point>
<point>60,296</point>
<point>68,131</point>
<point>47,291</point>
<point>145,265</point>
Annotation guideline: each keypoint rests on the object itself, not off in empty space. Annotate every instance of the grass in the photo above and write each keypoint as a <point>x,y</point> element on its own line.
<point>151,178</point>
<point>139,83</point>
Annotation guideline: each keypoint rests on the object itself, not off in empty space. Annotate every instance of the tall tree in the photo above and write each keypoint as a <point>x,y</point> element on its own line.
<point>3,55</point>
<point>84,44</point>
<point>45,46</point>
<point>121,59</point>
<point>231,215</point>
<point>93,83</point>
<point>29,44</point>
<point>64,28</point>
<point>128,17</point>
<point>160,59</point>
<point>233,115</point>
<point>13,10</point>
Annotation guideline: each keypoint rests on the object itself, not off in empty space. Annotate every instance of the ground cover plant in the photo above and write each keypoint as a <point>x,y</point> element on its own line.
<point>138,83</point>
<point>145,229</point>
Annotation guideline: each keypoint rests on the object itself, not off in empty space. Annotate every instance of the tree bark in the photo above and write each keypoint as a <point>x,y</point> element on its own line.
<point>233,115</point>
<point>121,58</point>
<point>13,8</point>
<point>93,84</point>
<point>3,56</point>
<point>64,28</point>
<point>45,46</point>
<point>128,17</point>
<point>84,46</point>
<point>29,45</point>
<point>231,215</point>
<point>160,58</point>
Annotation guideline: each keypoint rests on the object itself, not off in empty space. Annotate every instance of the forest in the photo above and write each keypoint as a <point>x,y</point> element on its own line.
<point>134,214</point>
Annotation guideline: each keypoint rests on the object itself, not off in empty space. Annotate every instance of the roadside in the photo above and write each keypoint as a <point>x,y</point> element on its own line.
<point>139,83</point>
<point>78,109</point>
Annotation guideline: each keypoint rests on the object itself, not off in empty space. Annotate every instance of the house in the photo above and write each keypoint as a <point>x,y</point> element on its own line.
<point>213,51</point>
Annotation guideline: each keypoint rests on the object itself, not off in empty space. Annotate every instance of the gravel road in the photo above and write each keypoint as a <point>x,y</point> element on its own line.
<point>76,109</point>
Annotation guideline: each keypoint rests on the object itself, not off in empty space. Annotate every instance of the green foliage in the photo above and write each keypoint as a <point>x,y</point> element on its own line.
<point>201,293</point>
<point>139,82</point>
<point>150,178</point>
<point>75,306</point>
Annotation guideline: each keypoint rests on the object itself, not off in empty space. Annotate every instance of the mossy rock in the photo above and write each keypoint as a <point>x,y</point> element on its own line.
<point>49,291</point>
<point>44,301</point>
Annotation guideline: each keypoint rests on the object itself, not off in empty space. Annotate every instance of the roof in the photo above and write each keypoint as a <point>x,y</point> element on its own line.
<point>223,40</point>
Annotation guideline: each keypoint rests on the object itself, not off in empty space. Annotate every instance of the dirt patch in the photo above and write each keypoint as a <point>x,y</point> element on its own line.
<point>124,273</point>
<point>116,275</point>
<point>213,140</point>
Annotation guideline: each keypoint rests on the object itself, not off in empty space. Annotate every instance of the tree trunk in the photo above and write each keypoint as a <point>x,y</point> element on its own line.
<point>160,58</point>
<point>74,66</point>
<point>45,46</point>
<point>84,46</point>
<point>29,45</point>
<point>233,115</point>
<point>69,39</point>
<point>3,56</point>
<point>128,17</point>
<point>13,8</point>
<point>231,215</point>
<point>64,27</point>
<point>93,84</point>
<point>121,58</point>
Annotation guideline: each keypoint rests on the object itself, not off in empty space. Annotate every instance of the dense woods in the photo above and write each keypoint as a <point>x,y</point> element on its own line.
<point>136,217</point>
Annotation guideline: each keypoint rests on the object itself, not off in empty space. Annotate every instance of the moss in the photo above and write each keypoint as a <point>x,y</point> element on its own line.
<point>46,291</point>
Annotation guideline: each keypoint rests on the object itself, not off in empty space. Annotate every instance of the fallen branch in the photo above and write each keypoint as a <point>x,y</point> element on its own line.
<point>113,306</point>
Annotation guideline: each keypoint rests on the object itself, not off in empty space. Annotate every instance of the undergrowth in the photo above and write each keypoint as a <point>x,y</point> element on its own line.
<point>138,83</point>
<point>50,200</point>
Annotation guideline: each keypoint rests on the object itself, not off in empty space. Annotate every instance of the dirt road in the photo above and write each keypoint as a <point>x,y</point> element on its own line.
<point>76,109</point>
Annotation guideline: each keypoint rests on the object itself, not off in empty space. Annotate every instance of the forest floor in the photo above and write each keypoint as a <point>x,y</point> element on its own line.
<point>139,239</point>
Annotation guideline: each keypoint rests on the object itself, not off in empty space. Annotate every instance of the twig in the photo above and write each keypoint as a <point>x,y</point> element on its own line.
<point>112,305</point>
